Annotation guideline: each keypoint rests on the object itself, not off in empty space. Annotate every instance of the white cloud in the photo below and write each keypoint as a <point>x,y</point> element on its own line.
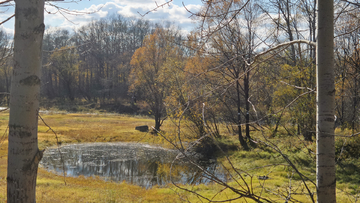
<point>140,3</point>
<point>8,27</point>
<point>126,8</point>
<point>73,18</point>
<point>7,30</point>
<point>78,15</point>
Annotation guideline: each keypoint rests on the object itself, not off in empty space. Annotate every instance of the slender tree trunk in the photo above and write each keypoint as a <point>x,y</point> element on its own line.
<point>23,153</point>
<point>50,88</point>
<point>157,122</point>
<point>247,105</point>
<point>325,150</point>
<point>313,51</point>
<point>157,111</point>
<point>354,111</point>
<point>341,114</point>
<point>157,115</point>
<point>241,138</point>
<point>7,87</point>
<point>56,85</point>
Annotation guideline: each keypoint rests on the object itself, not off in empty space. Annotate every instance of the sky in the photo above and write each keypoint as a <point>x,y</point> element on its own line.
<point>175,13</point>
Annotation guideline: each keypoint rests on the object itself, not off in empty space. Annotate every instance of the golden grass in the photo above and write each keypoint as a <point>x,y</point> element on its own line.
<point>75,128</point>
<point>81,189</point>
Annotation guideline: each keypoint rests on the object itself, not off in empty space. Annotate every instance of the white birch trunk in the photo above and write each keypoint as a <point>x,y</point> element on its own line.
<point>23,153</point>
<point>325,151</point>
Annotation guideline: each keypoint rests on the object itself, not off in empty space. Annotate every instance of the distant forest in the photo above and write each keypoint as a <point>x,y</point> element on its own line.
<point>225,75</point>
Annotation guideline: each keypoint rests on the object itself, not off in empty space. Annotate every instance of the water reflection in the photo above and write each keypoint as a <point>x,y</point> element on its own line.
<point>138,164</point>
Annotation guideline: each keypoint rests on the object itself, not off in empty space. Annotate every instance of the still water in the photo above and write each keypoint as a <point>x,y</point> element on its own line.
<point>139,164</point>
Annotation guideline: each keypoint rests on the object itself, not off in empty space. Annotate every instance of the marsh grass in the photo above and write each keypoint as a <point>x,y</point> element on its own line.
<point>259,161</point>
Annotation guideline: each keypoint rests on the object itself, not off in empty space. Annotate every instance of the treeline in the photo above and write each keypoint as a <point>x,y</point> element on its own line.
<point>229,75</point>
<point>93,62</point>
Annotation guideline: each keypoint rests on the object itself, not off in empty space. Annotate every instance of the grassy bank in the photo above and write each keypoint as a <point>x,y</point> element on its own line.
<point>258,162</point>
<point>82,128</point>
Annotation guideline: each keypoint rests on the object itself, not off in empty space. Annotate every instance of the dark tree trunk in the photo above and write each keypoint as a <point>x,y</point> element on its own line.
<point>241,138</point>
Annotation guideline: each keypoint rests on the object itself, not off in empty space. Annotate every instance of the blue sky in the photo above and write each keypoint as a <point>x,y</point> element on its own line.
<point>129,8</point>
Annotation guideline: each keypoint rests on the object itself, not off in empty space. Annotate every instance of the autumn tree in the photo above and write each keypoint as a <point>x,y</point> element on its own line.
<point>189,92</point>
<point>149,63</point>
<point>231,39</point>
<point>293,84</point>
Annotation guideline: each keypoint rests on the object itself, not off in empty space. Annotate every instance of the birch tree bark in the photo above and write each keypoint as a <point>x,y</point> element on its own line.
<point>325,152</point>
<point>23,153</point>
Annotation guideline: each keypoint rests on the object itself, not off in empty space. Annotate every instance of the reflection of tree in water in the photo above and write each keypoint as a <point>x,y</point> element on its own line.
<point>137,164</point>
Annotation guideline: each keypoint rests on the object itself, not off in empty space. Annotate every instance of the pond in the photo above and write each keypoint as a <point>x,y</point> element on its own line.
<point>139,164</point>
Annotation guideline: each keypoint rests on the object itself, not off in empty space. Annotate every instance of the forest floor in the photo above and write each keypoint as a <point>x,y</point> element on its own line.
<point>258,162</point>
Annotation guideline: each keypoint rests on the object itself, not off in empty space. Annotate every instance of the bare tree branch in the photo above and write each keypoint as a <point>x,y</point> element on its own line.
<point>155,9</point>
<point>7,19</point>
<point>352,3</point>
<point>57,144</point>
<point>297,87</point>
<point>6,1</point>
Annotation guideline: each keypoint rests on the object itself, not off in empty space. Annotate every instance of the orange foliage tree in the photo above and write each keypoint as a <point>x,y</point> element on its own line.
<point>150,71</point>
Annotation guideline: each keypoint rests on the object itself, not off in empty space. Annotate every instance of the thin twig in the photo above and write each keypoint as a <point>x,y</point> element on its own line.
<point>157,6</point>
<point>58,146</point>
